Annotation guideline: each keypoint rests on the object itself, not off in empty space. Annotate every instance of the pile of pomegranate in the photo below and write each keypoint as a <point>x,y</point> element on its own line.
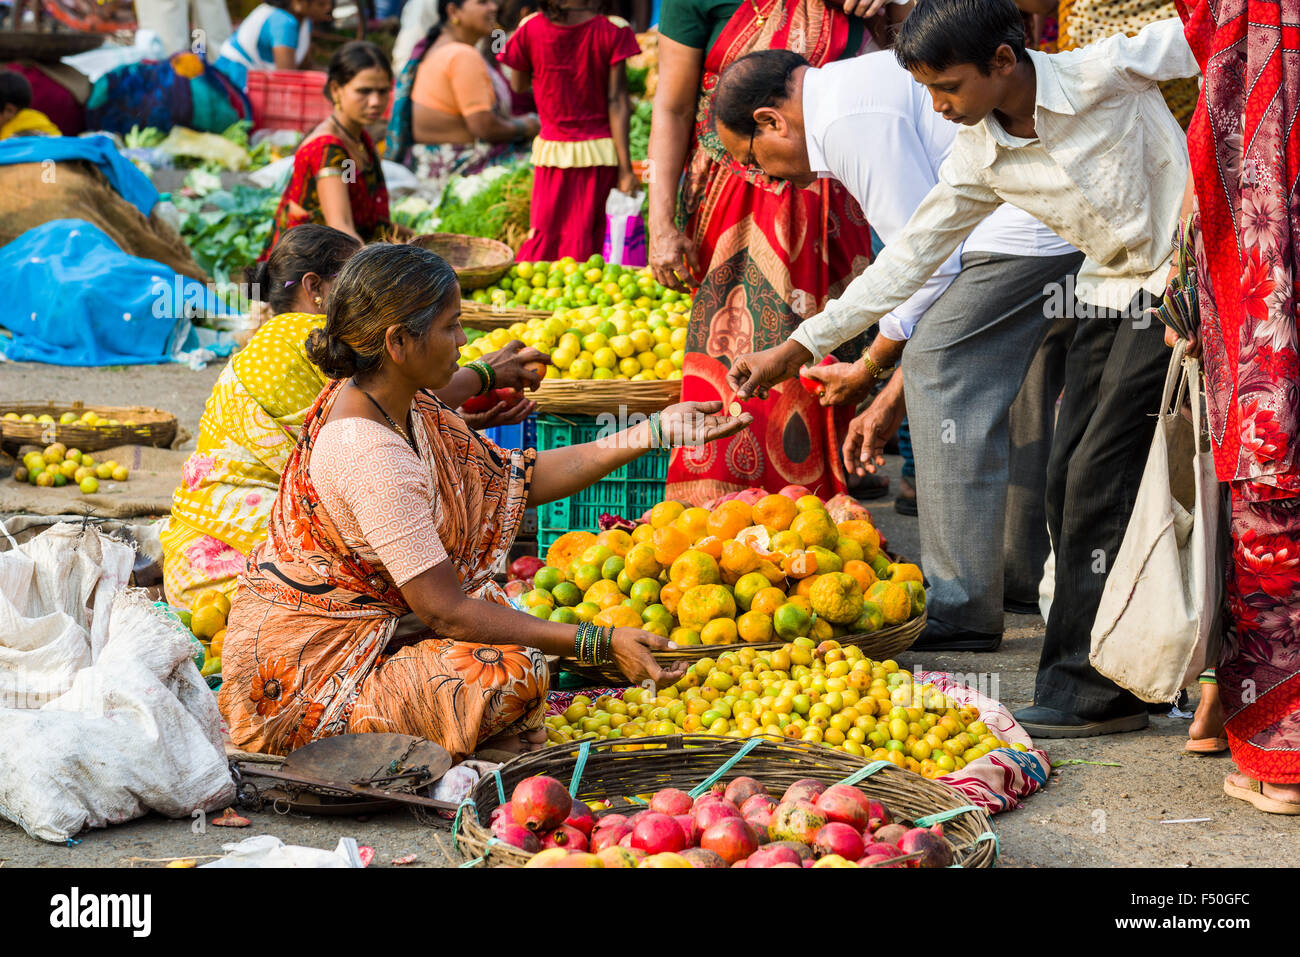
<point>739,825</point>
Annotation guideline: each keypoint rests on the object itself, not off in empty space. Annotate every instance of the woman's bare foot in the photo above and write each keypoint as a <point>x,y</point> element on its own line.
<point>1208,720</point>
<point>1289,793</point>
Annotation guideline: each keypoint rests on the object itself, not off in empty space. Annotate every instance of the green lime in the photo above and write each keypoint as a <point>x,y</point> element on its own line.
<point>613,567</point>
<point>567,594</point>
<point>564,616</point>
<point>548,577</point>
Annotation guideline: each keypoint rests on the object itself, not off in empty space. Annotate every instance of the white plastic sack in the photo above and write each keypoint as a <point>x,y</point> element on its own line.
<point>625,236</point>
<point>136,728</point>
<point>267,851</point>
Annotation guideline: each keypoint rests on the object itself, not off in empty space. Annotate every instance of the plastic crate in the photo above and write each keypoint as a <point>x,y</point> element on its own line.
<point>522,435</point>
<point>287,99</point>
<point>628,491</point>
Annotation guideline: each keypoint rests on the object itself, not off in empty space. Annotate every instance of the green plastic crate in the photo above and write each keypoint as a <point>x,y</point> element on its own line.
<point>627,491</point>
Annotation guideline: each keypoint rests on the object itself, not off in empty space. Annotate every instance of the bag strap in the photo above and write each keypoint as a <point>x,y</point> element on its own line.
<point>1192,373</point>
<point>1175,375</point>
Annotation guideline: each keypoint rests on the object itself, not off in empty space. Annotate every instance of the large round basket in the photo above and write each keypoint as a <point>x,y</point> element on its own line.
<point>597,396</point>
<point>478,315</point>
<point>150,426</point>
<point>593,770</point>
<point>477,260</point>
<point>878,645</point>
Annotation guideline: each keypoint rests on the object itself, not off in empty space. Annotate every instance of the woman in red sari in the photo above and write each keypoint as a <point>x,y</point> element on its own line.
<point>1245,157</point>
<point>765,255</point>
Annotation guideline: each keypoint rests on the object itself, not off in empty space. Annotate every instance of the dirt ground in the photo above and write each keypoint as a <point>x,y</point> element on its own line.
<point>1090,815</point>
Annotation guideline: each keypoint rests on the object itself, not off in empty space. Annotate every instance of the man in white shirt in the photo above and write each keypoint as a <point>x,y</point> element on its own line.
<point>1083,141</point>
<point>868,124</point>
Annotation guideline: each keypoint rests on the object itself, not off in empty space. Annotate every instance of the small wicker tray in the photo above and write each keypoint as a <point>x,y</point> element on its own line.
<point>594,770</point>
<point>477,260</point>
<point>597,396</point>
<point>152,426</point>
<point>878,645</point>
<point>477,315</point>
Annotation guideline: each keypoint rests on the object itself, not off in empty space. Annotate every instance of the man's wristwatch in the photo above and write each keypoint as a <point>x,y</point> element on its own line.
<point>874,369</point>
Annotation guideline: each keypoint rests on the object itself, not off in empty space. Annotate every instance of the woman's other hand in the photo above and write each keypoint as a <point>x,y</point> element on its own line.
<point>629,184</point>
<point>1193,344</point>
<point>844,383</point>
<point>500,414</point>
<point>698,423</point>
<point>673,259</point>
<point>511,362</point>
<point>632,649</point>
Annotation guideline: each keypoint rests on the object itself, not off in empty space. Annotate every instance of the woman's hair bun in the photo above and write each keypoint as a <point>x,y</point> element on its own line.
<point>259,275</point>
<point>331,355</point>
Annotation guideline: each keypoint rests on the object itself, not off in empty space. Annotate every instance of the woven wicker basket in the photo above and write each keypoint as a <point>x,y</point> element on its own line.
<point>878,645</point>
<point>477,260</point>
<point>693,763</point>
<point>477,315</point>
<point>597,396</point>
<point>152,426</point>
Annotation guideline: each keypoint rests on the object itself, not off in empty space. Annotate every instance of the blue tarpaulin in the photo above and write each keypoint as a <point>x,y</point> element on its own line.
<point>132,184</point>
<point>74,298</point>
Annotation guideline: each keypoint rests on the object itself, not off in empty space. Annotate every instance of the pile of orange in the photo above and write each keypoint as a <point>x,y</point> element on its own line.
<point>776,570</point>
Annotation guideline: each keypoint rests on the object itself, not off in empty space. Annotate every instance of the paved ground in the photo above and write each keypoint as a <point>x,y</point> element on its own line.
<point>1091,815</point>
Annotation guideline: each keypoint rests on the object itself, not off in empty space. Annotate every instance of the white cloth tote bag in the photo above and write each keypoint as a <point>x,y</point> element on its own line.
<point>1159,610</point>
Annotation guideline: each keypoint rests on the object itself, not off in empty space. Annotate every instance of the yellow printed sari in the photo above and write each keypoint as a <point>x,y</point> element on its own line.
<point>249,426</point>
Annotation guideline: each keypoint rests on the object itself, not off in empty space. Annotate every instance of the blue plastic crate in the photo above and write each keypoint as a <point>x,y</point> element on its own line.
<point>522,435</point>
<point>627,491</point>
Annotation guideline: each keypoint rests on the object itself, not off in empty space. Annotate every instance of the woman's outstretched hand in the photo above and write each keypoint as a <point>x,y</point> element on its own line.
<point>632,654</point>
<point>698,423</point>
<point>500,414</point>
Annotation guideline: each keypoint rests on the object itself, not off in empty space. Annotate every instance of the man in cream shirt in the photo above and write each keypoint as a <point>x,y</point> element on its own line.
<point>866,123</point>
<point>1083,142</point>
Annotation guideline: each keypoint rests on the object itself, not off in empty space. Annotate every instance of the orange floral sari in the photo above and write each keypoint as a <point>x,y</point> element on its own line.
<point>311,647</point>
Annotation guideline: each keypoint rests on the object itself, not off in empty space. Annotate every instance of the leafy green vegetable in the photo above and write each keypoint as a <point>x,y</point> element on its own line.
<point>639,130</point>
<point>143,139</point>
<point>499,211</point>
<point>228,229</point>
<point>636,76</point>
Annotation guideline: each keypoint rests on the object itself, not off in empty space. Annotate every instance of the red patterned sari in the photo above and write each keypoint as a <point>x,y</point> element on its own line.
<point>772,256</point>
<point>311,642</point>
<point>1245,157</point>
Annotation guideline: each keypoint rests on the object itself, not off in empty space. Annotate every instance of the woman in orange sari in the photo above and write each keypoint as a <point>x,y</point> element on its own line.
<point>371,604</point>
<point>765,255</point>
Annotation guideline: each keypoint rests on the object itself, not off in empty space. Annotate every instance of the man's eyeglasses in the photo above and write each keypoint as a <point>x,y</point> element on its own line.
<point>751,165</point>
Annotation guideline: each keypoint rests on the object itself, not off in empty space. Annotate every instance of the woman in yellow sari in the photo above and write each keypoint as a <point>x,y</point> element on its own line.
<point>371,604</point>
<point>255,413</point>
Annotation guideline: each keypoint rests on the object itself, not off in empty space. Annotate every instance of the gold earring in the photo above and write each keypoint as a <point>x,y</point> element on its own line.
<point>318,300</point>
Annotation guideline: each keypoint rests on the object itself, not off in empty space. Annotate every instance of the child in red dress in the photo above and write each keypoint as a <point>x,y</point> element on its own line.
<point>573,58</point>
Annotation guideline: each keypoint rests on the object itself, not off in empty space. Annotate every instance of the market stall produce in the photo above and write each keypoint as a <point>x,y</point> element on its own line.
<point>567,284</point>
<point>698,801</point>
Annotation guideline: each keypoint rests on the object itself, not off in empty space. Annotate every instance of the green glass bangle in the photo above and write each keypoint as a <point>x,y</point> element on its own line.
<point>483,381</point>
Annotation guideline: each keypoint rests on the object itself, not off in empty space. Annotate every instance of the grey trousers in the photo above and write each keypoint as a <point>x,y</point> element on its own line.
<point>962,371</point>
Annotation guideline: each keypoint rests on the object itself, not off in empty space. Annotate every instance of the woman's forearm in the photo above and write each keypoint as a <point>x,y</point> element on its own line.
<point>620,125</point>
<point>465,384</point>
<point>560,473</point>
<point>487,623</point>
<point>670,128</point>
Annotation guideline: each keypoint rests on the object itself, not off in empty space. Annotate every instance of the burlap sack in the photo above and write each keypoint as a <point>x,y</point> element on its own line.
<point>147,492</point>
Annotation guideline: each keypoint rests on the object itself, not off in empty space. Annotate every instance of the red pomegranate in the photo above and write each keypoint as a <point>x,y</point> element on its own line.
<point>565,836</point>
<point>540,803</point>
<point>687,823</point>
<point>657,833</point>
<point>502,810</point>
<point>933,846</point>
<point>796,821</point>
<point>700,857</point>
<point>878,816</point>
<point>672,802</point>
<point>508,832</point>
<point>741,790</point>
<point>801,850</point>
<point>755,802</point>
<point>773,855</point>
<point>608,820</point>
<point>580,816</point>
<point>706,815</point>
<point>730,839</point>
<point>845,805</point>
<point>806,789</point>
<point>838,838</point>
<point>604,837</point>
<point>889,834</point>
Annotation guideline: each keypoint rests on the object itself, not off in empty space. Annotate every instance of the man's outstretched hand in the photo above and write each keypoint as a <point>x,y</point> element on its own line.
<point>754,373</point>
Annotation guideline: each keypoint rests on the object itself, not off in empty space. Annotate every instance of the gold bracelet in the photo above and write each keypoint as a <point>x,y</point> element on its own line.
<point>874,369</point>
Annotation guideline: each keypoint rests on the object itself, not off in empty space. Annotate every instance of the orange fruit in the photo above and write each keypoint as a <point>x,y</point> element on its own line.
<point>848,549</point>
<point>694,522</point>
<point>820,630</point>
<point>864,534</point>
<point>640,561</point>
<point>568,547</point>
<point>606,594</point>
<point>809,503</point>
<point>616,540</point>
<point>619,616</point>
<point>669,596</point>
<point>694,567</point>
<point>738,559</point>
<point>771,572</point>
<point>665,513</point>
<point>815,528</point>
<point>747,586</point>
<point>642,533</point>
<point>767,601</point>
<point>719,631</point>
<point>805,586</point>
<point>787,541</point>
<point>214,597</point>
<point>837,598</point>
<point>217,643</point>
<point>668,543</point>
<point>801,565</point>
<point>892,599</point>
<point>905,572</point>
<point>827,560</point>
<point>729,519</point>
<point>791,621</point>
<point>775,511</point>
<point>754,626</point>
<point>710,545</point>
<point>703,603</point>
<point>800,600</point>
<point>207,621</point>
<point>684,636</point>
<point>861,572</point>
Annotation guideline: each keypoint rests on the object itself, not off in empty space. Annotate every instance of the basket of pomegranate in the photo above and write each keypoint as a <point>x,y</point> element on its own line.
<point>703,801</point>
